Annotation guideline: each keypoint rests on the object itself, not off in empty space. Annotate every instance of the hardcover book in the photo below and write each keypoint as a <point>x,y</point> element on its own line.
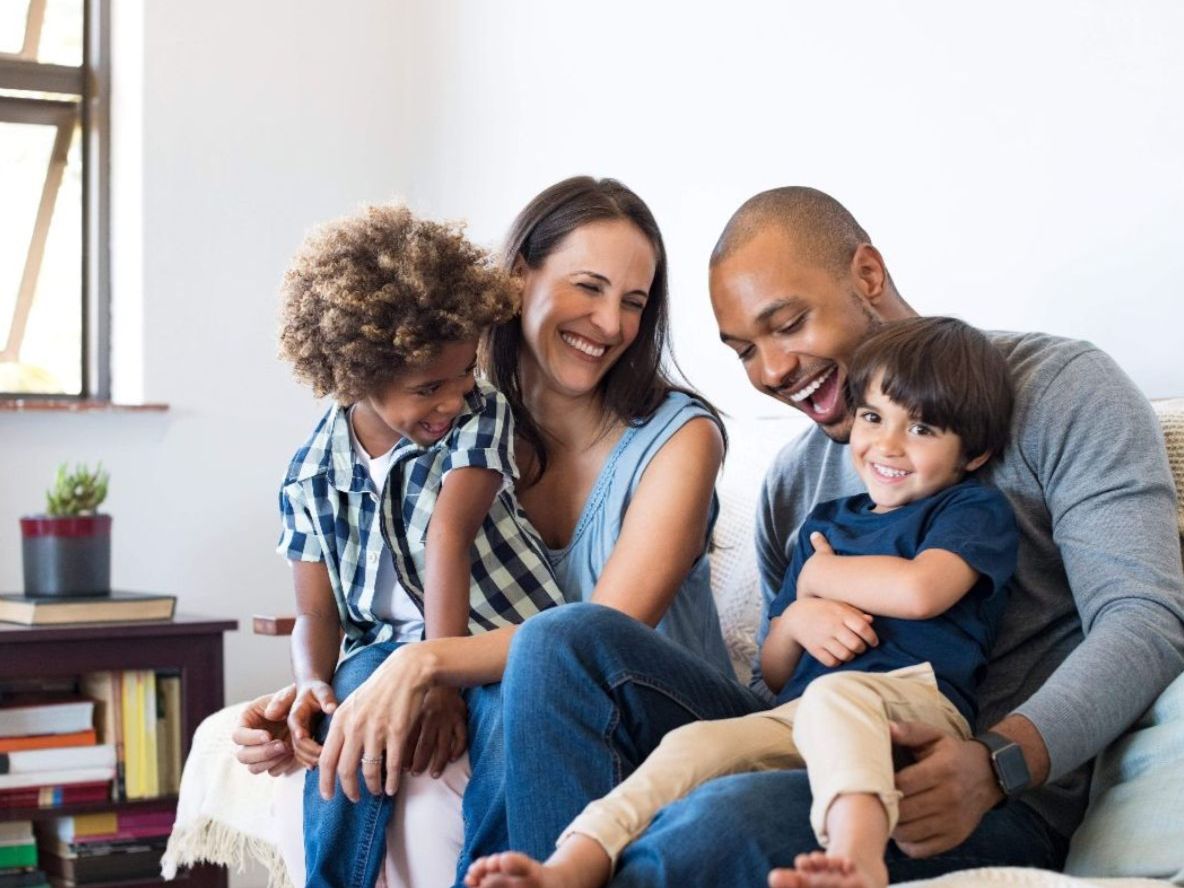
<point>22,718</point>
<point>116,607</point>
<point>35,760</point>
<point>48,741</point>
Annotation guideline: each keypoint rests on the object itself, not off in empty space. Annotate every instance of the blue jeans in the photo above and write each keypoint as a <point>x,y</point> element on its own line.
<point>484,808</point>
<point>705,840</point>
<point>345,842</point>
<point>589,693</point>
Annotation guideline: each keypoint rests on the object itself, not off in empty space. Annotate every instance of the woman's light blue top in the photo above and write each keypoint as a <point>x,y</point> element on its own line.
<point>692,619</point>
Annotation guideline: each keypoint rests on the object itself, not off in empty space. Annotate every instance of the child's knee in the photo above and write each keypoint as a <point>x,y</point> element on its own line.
<point>689,738</point>
<point>835,687</point>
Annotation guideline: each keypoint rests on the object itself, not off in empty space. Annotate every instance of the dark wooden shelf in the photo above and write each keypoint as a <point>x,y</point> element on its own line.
<point>86,808</point>
<point>192,645</point>
<point>197,877</point>
<point>181,624</point>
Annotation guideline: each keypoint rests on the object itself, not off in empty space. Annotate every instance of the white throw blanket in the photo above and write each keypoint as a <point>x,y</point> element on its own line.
<point>225,813</point>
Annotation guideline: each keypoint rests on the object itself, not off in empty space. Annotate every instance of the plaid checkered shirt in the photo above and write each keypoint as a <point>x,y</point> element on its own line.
<point>331,512</point>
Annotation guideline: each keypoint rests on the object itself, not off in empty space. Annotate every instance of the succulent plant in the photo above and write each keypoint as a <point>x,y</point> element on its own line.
<point>77,493</point>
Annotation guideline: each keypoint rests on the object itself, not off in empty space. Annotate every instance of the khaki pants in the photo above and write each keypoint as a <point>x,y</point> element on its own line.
<point>837,729</point>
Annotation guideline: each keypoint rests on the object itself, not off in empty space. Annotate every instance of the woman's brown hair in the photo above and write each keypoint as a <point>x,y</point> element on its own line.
<point>637,384</point>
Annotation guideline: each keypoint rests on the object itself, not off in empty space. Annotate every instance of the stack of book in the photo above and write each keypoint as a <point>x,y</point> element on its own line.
<point>138,711</point>
<point>113,847</point>
<point>18,856</point>
<point>104,736</point>
<point>48,753</point>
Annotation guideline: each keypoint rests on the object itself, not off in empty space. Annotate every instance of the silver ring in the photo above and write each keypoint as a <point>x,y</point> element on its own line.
<point>371,761</point>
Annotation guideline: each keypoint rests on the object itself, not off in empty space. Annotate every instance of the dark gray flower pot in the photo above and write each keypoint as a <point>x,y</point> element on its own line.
<point>66,557</point>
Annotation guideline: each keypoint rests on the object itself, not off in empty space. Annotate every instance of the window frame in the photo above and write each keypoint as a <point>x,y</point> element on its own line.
<point>91,83</point>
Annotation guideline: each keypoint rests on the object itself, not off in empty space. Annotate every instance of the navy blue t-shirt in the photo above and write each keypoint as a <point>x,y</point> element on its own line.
<point>969,519</point>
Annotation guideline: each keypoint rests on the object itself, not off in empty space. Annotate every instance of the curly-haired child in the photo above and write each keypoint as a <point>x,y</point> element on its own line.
<point>399,515</point>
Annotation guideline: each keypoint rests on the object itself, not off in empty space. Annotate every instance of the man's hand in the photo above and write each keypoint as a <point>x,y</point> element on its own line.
<point>261,734</point>
<point>830,631</point>
<point>312,697</point>
<point>441,734</point>
<point>807,576</point>
<point>946,791</point>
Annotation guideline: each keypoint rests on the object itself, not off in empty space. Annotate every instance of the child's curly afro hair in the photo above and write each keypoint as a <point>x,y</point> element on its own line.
<point>373,293</point>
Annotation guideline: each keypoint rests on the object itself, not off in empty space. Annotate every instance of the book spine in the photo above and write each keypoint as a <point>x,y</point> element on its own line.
<point>119,787</point>
<point>15,856</point>
<point>67,757</point>
<point>131,736</point>
<point>54,796</point>
<point>148,715</point>
<point>47,741</point>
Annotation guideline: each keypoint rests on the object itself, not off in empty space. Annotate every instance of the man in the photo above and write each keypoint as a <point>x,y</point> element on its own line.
<point>1094,630</point>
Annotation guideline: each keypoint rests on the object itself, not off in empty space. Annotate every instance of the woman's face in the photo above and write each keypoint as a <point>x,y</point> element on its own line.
<point>582,307</point>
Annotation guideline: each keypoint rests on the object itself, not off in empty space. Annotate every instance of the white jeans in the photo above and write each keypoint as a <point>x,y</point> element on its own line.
<point>426,830</point>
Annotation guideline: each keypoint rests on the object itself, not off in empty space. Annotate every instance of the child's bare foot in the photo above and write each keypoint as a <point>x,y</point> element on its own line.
<point>822,870</point>
<point>508,869</point>
<point>579,862</point>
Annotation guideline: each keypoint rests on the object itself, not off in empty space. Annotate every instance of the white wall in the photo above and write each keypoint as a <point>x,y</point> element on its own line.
<point>1020,166</point>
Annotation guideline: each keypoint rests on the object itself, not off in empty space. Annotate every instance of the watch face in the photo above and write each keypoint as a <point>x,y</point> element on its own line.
<point>1012,769</point>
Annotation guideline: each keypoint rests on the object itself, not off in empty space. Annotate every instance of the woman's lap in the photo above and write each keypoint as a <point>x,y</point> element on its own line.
<point>589,693</point>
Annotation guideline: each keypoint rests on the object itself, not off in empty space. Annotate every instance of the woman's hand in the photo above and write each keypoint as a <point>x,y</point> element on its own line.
<point>442,733</point>
<point>374,722</point>
<point>261,734</point>
<point>830,631</point>
<point>311,697</point>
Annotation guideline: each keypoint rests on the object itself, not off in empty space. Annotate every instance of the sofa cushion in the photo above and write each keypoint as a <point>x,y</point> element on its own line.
<point>735,582</point>
<point>1135,822</point>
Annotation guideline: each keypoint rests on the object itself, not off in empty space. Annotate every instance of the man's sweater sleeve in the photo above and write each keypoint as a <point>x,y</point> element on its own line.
<point>1096,446</point>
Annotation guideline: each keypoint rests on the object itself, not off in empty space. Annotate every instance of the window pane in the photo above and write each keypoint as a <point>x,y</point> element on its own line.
<point>13,14</point>
<point>61,34</point>
<point>50,352</point>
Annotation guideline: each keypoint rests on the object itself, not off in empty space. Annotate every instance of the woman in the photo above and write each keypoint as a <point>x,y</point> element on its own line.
<point>614,458</point>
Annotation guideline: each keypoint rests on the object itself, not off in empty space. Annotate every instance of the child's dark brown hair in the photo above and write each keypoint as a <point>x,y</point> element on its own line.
<point>946,373</point>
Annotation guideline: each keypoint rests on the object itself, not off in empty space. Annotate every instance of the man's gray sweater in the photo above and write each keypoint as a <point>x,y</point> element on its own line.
<point>1094,628</point>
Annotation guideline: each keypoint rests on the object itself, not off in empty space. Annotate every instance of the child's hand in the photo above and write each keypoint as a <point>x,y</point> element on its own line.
<point>261,734</point>
<point>312,697</point>
<point>807,577</point>
<point>441,735</point>
<point>830,631</point>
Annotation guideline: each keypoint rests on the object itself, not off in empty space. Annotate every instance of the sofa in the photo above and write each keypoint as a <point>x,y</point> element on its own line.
<point>1132,834</point>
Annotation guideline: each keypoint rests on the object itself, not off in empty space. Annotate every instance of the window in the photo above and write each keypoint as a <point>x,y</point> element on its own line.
<point>53,290</point>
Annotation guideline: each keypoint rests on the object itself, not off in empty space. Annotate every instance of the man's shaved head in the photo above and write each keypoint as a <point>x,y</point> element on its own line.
<point>823,231</point>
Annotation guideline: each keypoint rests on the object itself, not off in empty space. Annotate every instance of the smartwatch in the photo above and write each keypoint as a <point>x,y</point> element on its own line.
<point>1007,760</point>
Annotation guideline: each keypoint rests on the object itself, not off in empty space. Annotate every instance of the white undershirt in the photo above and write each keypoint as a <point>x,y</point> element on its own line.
<point>391,602</point>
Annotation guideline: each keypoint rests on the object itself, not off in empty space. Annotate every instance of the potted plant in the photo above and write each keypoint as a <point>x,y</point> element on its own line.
<point>67,551</point>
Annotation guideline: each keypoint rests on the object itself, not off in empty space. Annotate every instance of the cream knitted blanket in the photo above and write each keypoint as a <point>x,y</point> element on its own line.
<point>1171,417</point>
<point>226,815</point>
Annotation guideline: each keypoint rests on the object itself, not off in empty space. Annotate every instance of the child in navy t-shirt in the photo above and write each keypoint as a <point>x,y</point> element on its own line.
<point>888,612</point>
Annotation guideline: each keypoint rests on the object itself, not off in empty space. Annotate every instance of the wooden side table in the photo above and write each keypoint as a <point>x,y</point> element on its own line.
<point>190,644</point>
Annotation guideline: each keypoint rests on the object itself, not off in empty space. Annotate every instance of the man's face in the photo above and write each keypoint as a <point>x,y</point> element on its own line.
<point>793,325</point>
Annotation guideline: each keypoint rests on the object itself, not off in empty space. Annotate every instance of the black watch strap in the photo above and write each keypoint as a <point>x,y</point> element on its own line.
<point>1007,760</point>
